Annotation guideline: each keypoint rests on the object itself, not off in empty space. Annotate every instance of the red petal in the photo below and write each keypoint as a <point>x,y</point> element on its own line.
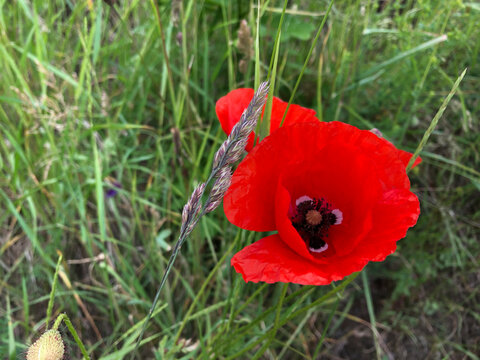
<point>404,156</point>
<point>296,114</point>
<point>271,260</point>
<point>398,210</point>
<point>230,107</point>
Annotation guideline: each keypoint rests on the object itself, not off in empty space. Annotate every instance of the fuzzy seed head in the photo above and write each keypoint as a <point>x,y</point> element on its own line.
<point>48,347</point>
<point>245,40</point>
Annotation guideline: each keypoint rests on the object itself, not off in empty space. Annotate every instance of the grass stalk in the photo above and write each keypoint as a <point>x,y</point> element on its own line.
<point>435,120</point>
<point>200,293</point>
<point>68,323</point>
<point>371,314</point>
<point>276,324</point>
<point>307,59</point>
<point>236,138</point>
<point>52,293</point>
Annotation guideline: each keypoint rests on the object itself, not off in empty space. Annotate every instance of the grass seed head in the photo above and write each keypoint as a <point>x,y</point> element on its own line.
<point>224,178</point>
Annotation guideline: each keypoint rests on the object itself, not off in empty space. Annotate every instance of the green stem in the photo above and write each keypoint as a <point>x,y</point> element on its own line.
<point>181,239</point>
<point>435,120</point>
<point>276,325</point>
<point>325,329</point>
<point>257,48</point>
<point>202,290</point>
<point>246,329</point>
<point>288,318</point>
<point>371,313</point>
<point>306,61</point>
<point>52,293</point>
<point>63,317</point>
<point>325,297</point>
<point>167,62</point>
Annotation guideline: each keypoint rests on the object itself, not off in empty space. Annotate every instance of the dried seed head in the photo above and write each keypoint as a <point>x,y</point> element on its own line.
<point>245,40</point>
<point>243,66</point>
<point>176,11</point>
<point>249,118</point>
<point>221,185</point>
<point>48,347</point>
<point>245,46</point>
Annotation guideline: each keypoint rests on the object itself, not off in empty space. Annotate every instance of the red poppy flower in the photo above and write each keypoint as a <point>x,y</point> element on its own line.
<point>230,107</point>
<point>338,197</point>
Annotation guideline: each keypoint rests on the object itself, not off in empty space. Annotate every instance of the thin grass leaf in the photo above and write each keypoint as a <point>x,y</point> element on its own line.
<point>404,54</point>
<point>435,120</point>
<point>12,352</point>
<point>371,313</point>
<point>52,292</point>
<point>264,125</point>
<point>307,59</point>
<point>99,192</point>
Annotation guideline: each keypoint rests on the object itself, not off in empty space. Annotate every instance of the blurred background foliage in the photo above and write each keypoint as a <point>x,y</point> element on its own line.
<point>107,116</point>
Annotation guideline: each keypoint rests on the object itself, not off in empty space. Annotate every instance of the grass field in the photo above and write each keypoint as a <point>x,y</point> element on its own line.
<point>107,122</point>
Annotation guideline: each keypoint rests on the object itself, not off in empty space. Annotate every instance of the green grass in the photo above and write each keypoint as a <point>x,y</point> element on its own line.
<point>89,98</point>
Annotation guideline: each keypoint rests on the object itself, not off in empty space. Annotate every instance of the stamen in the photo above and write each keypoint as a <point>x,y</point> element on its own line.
<point>302,199</point>
<point>312,218</point>
<point>320,249</point>
<point>338,216</point>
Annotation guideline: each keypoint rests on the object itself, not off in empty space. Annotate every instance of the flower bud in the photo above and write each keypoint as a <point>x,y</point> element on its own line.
<point>48,347</point>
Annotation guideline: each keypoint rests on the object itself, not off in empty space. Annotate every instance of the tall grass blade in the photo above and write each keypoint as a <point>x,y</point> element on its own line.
<point>435,120</point>
<point>307,59</point>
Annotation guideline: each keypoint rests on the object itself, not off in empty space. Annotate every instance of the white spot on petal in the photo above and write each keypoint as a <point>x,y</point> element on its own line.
<point>302,199</point>
<point>319,250</point>
<point>339,216</point>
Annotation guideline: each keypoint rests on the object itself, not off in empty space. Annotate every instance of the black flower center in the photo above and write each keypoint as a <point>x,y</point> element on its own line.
<point>312,219</point>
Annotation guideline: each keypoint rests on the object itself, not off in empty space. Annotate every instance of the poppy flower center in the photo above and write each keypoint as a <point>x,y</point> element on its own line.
<point>312,218</point>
